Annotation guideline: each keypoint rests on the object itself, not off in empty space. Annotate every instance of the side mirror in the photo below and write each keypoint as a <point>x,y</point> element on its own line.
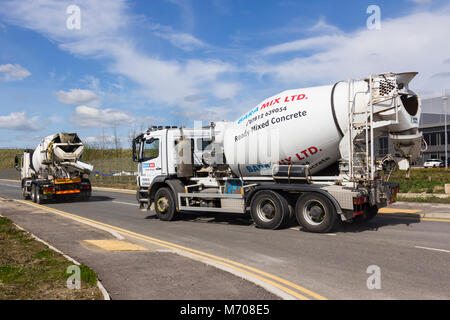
<point>135,156</point>
<point>16,163</point>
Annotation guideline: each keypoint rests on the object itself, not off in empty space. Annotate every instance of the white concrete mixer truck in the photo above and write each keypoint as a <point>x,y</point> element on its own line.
<point>305,153</point>
<point>53,171</point>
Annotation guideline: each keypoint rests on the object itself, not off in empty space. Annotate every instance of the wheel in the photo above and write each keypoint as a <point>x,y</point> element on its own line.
<point>33,193</point>
<point>269,210</point>
<point>24,193</point>
<point>316,213</point>
<point>38,195</point>
<point>370,213</point>
<point>165,204</point>
<point>85,195</point>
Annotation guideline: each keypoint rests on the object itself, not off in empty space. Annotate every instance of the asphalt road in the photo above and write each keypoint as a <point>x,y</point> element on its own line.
<point>413,255</point>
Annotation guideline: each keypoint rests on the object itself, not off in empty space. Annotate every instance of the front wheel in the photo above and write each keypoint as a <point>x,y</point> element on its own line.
<point>269,210</point>
<point>165,204</point>
<point>316,213</point>
<point>25,193</point>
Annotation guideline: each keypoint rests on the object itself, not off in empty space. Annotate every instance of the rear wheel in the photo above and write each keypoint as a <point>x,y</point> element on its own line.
<point>38,196</point>
<point>25,193</point>
<point>85,195</point>
<point>269,210</point>
<point>370,213</point>
<point>33,193</point>
<point>165,204</point>
<point>316,213</point>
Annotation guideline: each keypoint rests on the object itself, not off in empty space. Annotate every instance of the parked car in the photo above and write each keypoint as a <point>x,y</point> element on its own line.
<point>433,163</point>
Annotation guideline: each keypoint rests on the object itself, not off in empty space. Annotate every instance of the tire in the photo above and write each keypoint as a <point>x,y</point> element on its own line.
<point>165,204</point>
<point>370,213</point>
<point>24,193</point>
<point>33,193</point>
<point>85,195</point>
<point>316,213</point>
<point>269,210</point>
<point>38,197</point>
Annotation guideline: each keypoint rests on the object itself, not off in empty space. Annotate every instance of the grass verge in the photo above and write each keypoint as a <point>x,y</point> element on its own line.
<point>429,180</point>
<point>29,270</point>
<point>431,199</point>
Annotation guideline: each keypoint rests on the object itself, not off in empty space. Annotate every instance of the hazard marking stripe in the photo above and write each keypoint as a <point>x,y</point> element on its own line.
<point>67,191</point>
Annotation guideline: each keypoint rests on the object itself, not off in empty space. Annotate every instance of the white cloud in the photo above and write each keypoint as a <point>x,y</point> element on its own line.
<point>19,121</point>
<point>93,82</point>
<point>410,43</point>
<point>206,114</point>
<point>168,81</point>
<point>99,19</point>
<point>184,41</point>
<point>13,72</point>
<point>76,96</point>
<point>99,139</point>
<point>308,44</point>
<point>91,117</point>
<point>323,27</point>
<point>225,90</point>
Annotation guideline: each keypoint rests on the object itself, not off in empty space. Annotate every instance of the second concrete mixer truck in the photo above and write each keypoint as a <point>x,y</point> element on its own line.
<point>305,153</point>
<point>54,171</point>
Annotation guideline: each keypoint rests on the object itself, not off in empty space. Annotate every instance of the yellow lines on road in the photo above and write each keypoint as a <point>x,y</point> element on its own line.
<point>9,180</point>
<point>284,285</point>
<point>431,219</point>
<point>411,216</point>
<point>397,210</point>
<point>114,190</point>
<point>116,245</point>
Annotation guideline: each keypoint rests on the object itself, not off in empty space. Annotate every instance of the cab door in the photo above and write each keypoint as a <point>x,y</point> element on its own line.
<point>150,160</point>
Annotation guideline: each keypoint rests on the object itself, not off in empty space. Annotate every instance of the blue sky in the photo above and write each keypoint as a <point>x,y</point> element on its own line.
<point>135,63</point>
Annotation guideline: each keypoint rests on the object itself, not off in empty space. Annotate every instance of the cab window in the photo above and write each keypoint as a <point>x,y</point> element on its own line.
<point>150,150</point>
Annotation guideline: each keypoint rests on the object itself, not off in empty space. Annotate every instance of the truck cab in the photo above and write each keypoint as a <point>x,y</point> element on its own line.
<point>169,152</point>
